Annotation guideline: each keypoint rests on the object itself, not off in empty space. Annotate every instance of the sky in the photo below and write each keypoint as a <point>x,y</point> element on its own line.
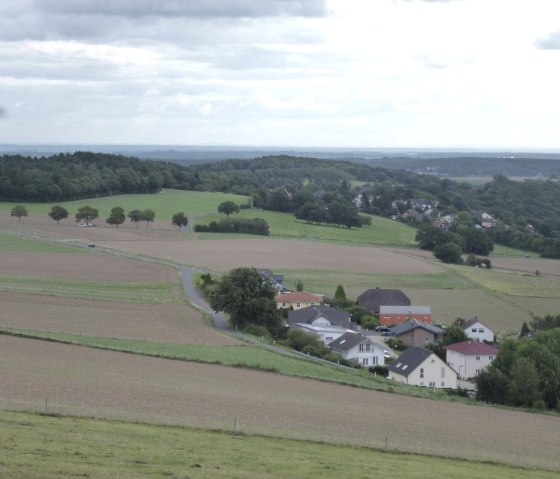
<point>309,73</point>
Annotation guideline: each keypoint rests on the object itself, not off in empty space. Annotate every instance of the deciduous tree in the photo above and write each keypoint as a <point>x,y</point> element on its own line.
<point>228,207</point>
<point>116,217</point>
<point>179,219</point>
<point>136,216</point>
<point>58,213</point>
<point>18,211</point>
<point>148,216</point>
<point>87,214</point>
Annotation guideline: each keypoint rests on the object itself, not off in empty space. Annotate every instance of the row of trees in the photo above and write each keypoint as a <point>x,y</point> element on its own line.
<point>87,214</point>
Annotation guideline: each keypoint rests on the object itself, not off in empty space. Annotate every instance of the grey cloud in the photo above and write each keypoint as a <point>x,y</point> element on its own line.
<point>549,42</point>
<point>2,112</point>
<point>191,8</point>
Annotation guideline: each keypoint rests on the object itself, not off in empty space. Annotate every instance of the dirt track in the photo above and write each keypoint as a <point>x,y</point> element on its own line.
<point>108,384</point>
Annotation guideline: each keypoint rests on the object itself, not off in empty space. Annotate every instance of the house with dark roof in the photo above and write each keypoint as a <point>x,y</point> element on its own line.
<point>323,321</point>
<point>474,328</point>
<point>297,300</point>
<point>372,299</point>
<point>417,333</point>
<point>277,279</point>
<point>391,315</point>
<point>358,348</point>
<point>470,357</point>
<point>421,367</point>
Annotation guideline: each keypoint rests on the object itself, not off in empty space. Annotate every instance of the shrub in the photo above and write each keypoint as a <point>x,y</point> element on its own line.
<point>397,344</point>
<point>379,370</point>
<point>257,330</point>
<point>255,226</point>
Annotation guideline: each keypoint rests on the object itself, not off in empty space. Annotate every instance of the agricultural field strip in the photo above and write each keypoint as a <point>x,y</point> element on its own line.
<point>210,396</point>
<point>41,446</point>
<point>243,356</point>
<point>149,293</point>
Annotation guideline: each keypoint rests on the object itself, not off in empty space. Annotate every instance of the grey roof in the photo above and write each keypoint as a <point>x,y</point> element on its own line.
<point>349,340</point>
<point>470,322</point>
<point>414,324</point>
<point>372,299</point>
<point>309,314</point>
<point>384,309</point>
<point>409,361</point>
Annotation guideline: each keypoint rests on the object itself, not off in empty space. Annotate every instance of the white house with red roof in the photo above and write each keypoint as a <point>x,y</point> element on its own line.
<point>470,357</point>
<point>298,300</point>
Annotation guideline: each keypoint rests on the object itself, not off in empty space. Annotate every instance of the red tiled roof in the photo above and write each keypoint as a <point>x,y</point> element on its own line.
<point>298,297</point>
<point>471,348</point>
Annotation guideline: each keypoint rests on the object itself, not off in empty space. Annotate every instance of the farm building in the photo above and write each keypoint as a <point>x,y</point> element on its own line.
<point>298,300</point>
<point>417,333</point>
<point>421,367</point>
<point>475,329</point>
<point>470,357</point>
<point>390,315</point>
<point>372,299</point>
<point>358,348</point>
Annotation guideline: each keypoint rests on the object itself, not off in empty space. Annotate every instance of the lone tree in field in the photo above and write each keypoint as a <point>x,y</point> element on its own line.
<point>58,213</point>
<point>149,216</point>
<point>136,216</point>
<point>227,208</point>
<point>248,298</point>
<point>179,219</point>
<point>116,217</point>
<point>18,211</point>
<point>87,214</point>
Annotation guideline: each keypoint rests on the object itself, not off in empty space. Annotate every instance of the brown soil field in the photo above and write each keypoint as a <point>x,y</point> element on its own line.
<point>90,382</point>
<point>223,255</point>
<point>167,323</point>
<point>94,266</point>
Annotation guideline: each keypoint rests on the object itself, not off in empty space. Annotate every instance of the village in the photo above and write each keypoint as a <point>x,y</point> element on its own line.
<point>405,342</point>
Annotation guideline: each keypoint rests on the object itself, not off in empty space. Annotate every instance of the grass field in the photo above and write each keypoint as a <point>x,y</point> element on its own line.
<point>164,204</point>
<point>284,225</point>
<point>136,292</point>
<point>13,242</point>
<point>43,447</point>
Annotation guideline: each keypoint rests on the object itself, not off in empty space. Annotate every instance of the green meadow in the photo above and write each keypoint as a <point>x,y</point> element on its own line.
<point>164,204</point>
<point>38,446</point>
<point>18,243</point>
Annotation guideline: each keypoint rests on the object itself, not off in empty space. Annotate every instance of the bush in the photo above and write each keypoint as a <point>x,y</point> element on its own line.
<point>397,344</point>
<point>473,260</point>
<point>448,253</point>
<point>255,226</point>
<point>257,330</point>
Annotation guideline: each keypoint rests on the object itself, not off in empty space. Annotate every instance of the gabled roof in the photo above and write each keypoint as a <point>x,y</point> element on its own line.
<point>414,324</point>
<point>410,360</point>
<point>384,309</point>
<point>298,297</point>
<point>309,314</point>
<point>373,298</point>
<point>350,340</point>
<point>472,348</point>
<point>470,322</point>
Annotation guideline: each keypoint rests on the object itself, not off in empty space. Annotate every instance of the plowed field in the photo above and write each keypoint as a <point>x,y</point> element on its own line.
<point>85,381</point>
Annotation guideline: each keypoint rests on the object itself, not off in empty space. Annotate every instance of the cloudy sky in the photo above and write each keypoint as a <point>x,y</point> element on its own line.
<point>321,73</point>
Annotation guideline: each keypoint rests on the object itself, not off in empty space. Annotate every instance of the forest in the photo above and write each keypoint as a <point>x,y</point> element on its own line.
<point>314,190</point>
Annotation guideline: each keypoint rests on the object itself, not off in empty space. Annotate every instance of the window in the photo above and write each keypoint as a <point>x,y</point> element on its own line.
<point>432,384</point>
<point>365,361</point>
<point>481,330</point>
<point>368,346</point>
<point>478,358</point>
<point>283,305</point>
<point>361,348</point>
<point>421,372</point>
<point>404,367</point>
<point>298,305</point>
<point>491,358</point>
<point>374,360</point>
<point>477,372</point>
<point>442,383</point>
<point>473,330</point>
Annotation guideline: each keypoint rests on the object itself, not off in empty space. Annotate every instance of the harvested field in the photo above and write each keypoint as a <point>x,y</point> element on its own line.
<point>541,306</point>
<point>85,381</point>
<point>447,305</point>
<point>94,266</point>
<point>223,255</point>
<point>173,323</point>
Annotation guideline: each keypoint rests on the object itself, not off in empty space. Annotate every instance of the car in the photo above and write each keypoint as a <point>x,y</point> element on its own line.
<point>91,245</point>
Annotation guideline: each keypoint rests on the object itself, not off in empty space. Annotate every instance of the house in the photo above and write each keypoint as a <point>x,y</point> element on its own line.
<point>297,300</point>
<point>470,357</point>
<point>421,367</point>
<point>475,329</point>
<point>372,299</point>
<point>277,279</point>
<point>390,315</point>
<point>327,334</point>
<point>417,333</point>
<point>358,348</point>
<point>320,316</point>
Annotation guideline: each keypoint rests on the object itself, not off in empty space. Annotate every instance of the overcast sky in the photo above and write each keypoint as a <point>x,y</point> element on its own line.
<point>346,73</point>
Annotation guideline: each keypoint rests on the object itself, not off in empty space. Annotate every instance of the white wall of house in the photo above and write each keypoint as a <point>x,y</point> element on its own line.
<point>364,355</point>
<point>468,366</point>
<point>480,331</point>
<point>433,373</point>
<point>325,333</point>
